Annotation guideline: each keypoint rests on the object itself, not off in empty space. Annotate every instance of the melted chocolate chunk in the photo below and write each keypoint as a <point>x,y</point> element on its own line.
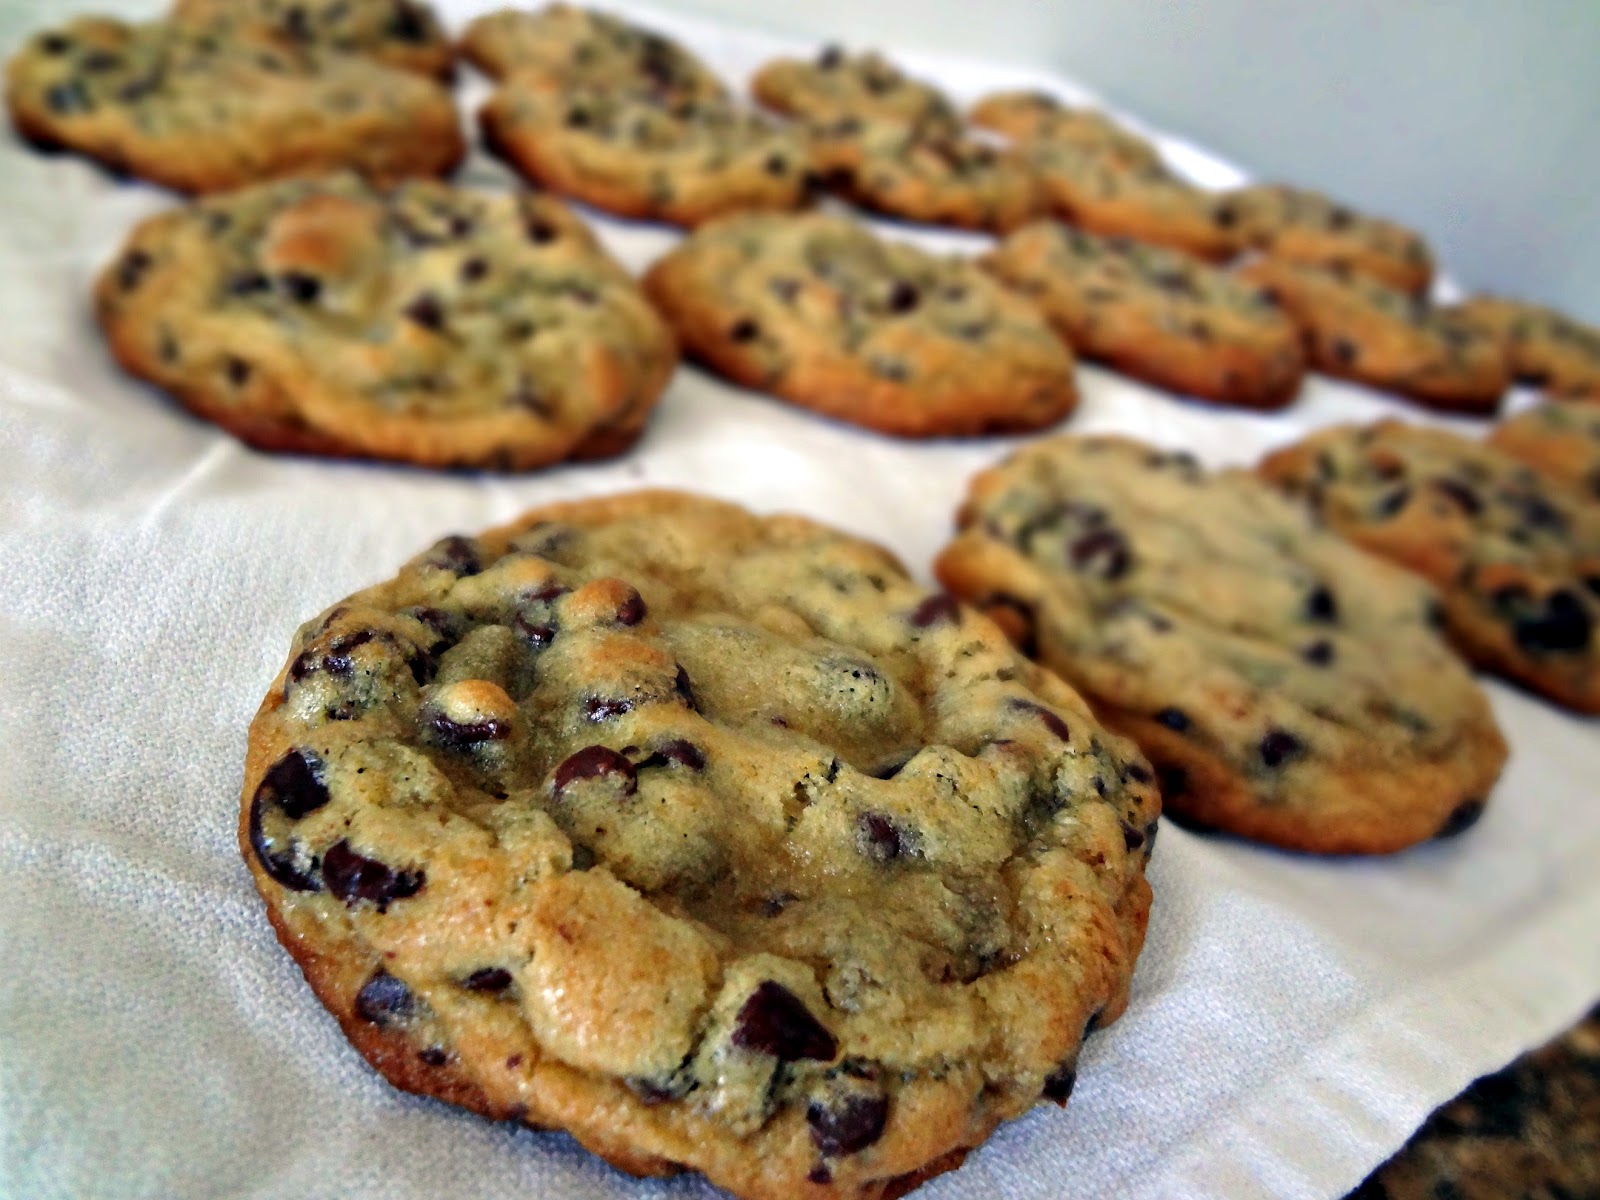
<point>1174,719</point>
<point>488,979</point>
<point>941,606</point>
<point>456,554</point>
<point>425,311</point>
<point>1280,747</point>
<point>353,878</point>
<point>606,708</point>
<point>1051,721</point>
<point>385,1000</point>
<point>685,689</point>
<point>744,330</point>
<point>775,1021</point>
<point>883,839</point>
<point>596,762</point>
<point>1321,605</point>
<point>1563,626</point>
<point>300,287</point>
<point>1059,1083</point>
<point>1103,552</point>
<point>632,610</point>
<point>684,753</point>
<point>851,1123</point>
<point>467,735</point>
<point>293,788</point>
<point>903,297</point>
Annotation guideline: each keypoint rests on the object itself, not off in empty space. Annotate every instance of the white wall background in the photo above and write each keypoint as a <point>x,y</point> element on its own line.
<point>1477,121</point>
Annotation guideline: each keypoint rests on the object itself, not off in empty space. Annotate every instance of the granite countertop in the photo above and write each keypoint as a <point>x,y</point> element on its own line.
<point>1531,1131</point>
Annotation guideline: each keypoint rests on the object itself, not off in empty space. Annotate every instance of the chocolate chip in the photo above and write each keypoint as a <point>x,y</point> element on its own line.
<point>248,283</point>
<point>456,554</point>
<point>1174,719</point>
<point>1102,552</point>
<point>903,297</point>
<point>474,269</point>
<point>685,689</point>
<point>632,610</point>
<point>540,231</point>
<point>684,753</point>
<point>850,1123</point>
<point>237,371</point>
<point>434,1056</point>
<point>1339,218</point>
<point>300,287</point>
<point>606,708</point>
<point>884,840</point>
<point>132,268</point>
<point>488,979</point>
<point>467,735</point>
<point>1051,721</point>
<point>55,43</point>
<point>1343,351</point>
<point>1321,605</point>
<point>831,58</point>
<point>1279,747</point>
<point>1464,816</point>
<point>292,787</point>
<point>539,634</point>
<point>1563,626</point>
<point>1393,502</point>
<point>426,311</point>
<point>775,1021</point>
<point>820,1175</point>
<point>577,119</point>
<point>385,1000</point>
<point>941,606</point>
<point>408,23</point>
<point>1059,1083</point>
<point>1132,838</point>
<point>69,97</point>
<point>744,330</point>
<point>353,878</point>
<point>777,164</point>
<point>1318,653</point>
<point>297,24</point>
<point>1464,497</point>
<point>596,762</point>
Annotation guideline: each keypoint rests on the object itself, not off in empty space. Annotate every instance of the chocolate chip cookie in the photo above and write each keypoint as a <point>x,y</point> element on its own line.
<point>1031,116</point>
<point>836,85</point>
<point>1357,328</point>
<point>1288,687</point>
<point>1516,556</point>
<point>710,838</point>
<point>427,325</point>
<point>1559,438</point>
<point>1543,347</point>
<point>921,172</point>
<point>1307,227</point>
<point>405,34</point>
<point>1156,314</point>
<point>203,112</point>
<point>639,155</point>
<point>563,45</point>
<point>818,310</point>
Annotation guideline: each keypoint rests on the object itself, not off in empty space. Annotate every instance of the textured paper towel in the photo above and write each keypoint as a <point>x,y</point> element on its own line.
<point>1292,1018</point>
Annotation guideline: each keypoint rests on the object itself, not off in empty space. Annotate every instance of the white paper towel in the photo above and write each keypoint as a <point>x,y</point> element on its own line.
<point>1292,1019</point>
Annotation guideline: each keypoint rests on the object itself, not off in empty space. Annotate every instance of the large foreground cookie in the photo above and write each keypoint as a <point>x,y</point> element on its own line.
<point>204,112</point>
<point>1542,347</point>
<point>1560,438</point>
<point>1516,556</point>
<point>564,45</point>
<point>707,837</point>
<point>1357,328</point>
<point>1287,686</point>
<point>820,311</point>
<point>639,155</point>
<point>1308,227</point>
<point>399,33</point>
<point>428,325</point>
<point>1157,314</point>
<point>836,85</point>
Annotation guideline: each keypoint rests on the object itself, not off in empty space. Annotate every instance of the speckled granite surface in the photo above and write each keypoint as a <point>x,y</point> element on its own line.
<point>1529,1132</point>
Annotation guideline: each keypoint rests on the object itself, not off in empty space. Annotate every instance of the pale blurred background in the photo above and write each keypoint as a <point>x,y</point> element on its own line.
<point>1478,121</point>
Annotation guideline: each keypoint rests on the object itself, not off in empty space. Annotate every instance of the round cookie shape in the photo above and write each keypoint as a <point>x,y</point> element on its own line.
<point>709,838</point>
<point>1559,438</point>
<point>637,155</point>
<point>836,85</point>
<point>1156,314</point>
<point>564,45</point>
<point>1308,227</point>
<point>404,34</point>
<point>1542,347</point>
<point>1356,328</point>
<point>424,324</point>
<point>818,310</point>
<point>922,172</point>
<point>1515,555</point>
<point>1032,116</point>
<point>1288,687</point>
<point>200,111</point>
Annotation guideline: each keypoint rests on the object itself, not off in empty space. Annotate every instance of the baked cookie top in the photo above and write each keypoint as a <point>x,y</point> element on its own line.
<point>836,84</point>
<point>638,155</point>
<point>709,837</point>
<point>201,111</point>
<point>564,45</point>
<point>1032,116</point>
<point>924,172</point>
<point>1309,227</point>
<point>819,310</point>
<point>1559,437</point>
<point>1156,313</point>
<point>1516,555</point>
<point>1287,686</point>
<point>399,33</point>
<point>1542,347</point>
<point>424,324</point>
<point>1357,328</point>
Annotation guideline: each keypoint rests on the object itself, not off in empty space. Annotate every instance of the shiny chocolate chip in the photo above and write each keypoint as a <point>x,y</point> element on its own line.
<point>1046,716</point>
<point>632,610</point>
<point>293,788</point>
<point>491,980</point>
<point>847,1124</point>
<point>385,1000</point>
<point>596,762</point>
<point>1174,719</point>
<point>775,1021</point>
<point>131,270</point>
<point>353,878</point>
<point>467,735</point>
<point>941,606</point>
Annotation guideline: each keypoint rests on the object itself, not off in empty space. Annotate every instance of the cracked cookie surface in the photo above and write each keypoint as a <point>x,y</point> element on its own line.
<point>202,112</point>
<point>405,34</point>
<point>1289,687</point>
<point>1516,557</point>
<point>1156,314</point>
<point>424,324</point>
<point>820,311</point>
<point>710,838</point>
